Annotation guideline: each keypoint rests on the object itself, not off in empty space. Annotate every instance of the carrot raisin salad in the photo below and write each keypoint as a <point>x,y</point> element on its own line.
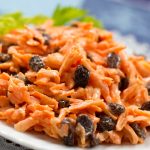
<point>75,84</point>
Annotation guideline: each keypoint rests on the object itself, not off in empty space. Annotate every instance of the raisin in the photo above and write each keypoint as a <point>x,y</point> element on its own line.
<point>146,106</point>
<point>89,57</point>
<point>36,63</point>
<point>23,78</point>
<point>148,88</point>
<point>56,114</point>
<point>138,130</point>
<point>93,141</point>
<point>22,104</point>
<point>46,39</point>
<point>113,60</point>
<point>86,122</point>
<point>69,140</point>
<point>100,114</point>
<point>106,123</point>
<point>23,70</point>
<point>4,57</point>
<point>123,84</point>
<point>116,109</point>
<point>11,73</point>
<point>75,25</point>
<point>81,76</point>
<point>36,39</point>
<point>56,49</point>
<point>27,81</point>
<point>99,39</point>
<point>63,103</point>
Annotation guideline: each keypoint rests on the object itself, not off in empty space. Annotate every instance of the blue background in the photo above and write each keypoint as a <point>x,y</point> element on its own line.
<point>127,16</point>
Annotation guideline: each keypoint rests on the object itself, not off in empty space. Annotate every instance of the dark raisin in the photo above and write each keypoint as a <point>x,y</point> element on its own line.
<point>11,73</point>
<point>36,63</point>
<point>116,109</point>
<point>81,76</point>
<point>23,78</point>
<point>148,128</point>
<point>46,39</point>
<point>99,39</point>
<point>148,88</point>
<point>86,122</point>
<point>106,123</point>
<point>63,103</point>
<point>100,114</point>
<point>93,141</point>
<point>56,49</point>
<point>56,114</point>
<point>36,39</point>
<point>113,60</point>
<point>89,57</point>
<point>75,25</point>
<point>138,130</point>
<point>23,69</point>
<point>123,84</point>
<point>4,57</point>
<point>146,106</point>
<point>27,81</point>
<point>69,140</point>
<point>22,104</point>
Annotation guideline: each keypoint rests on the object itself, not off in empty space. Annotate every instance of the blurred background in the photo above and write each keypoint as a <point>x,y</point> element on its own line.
<point>125,16</point>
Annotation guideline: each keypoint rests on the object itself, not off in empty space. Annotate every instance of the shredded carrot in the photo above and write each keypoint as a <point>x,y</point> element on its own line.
<point>50,76</point>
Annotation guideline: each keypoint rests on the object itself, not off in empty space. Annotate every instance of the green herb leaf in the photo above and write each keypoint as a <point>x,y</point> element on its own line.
<point>63,15</point>
<point>95,22</point>
<point>16,20</point>
<point>37,20</point>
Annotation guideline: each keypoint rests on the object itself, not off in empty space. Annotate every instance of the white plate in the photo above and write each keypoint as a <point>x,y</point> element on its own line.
<point>43,142</point>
